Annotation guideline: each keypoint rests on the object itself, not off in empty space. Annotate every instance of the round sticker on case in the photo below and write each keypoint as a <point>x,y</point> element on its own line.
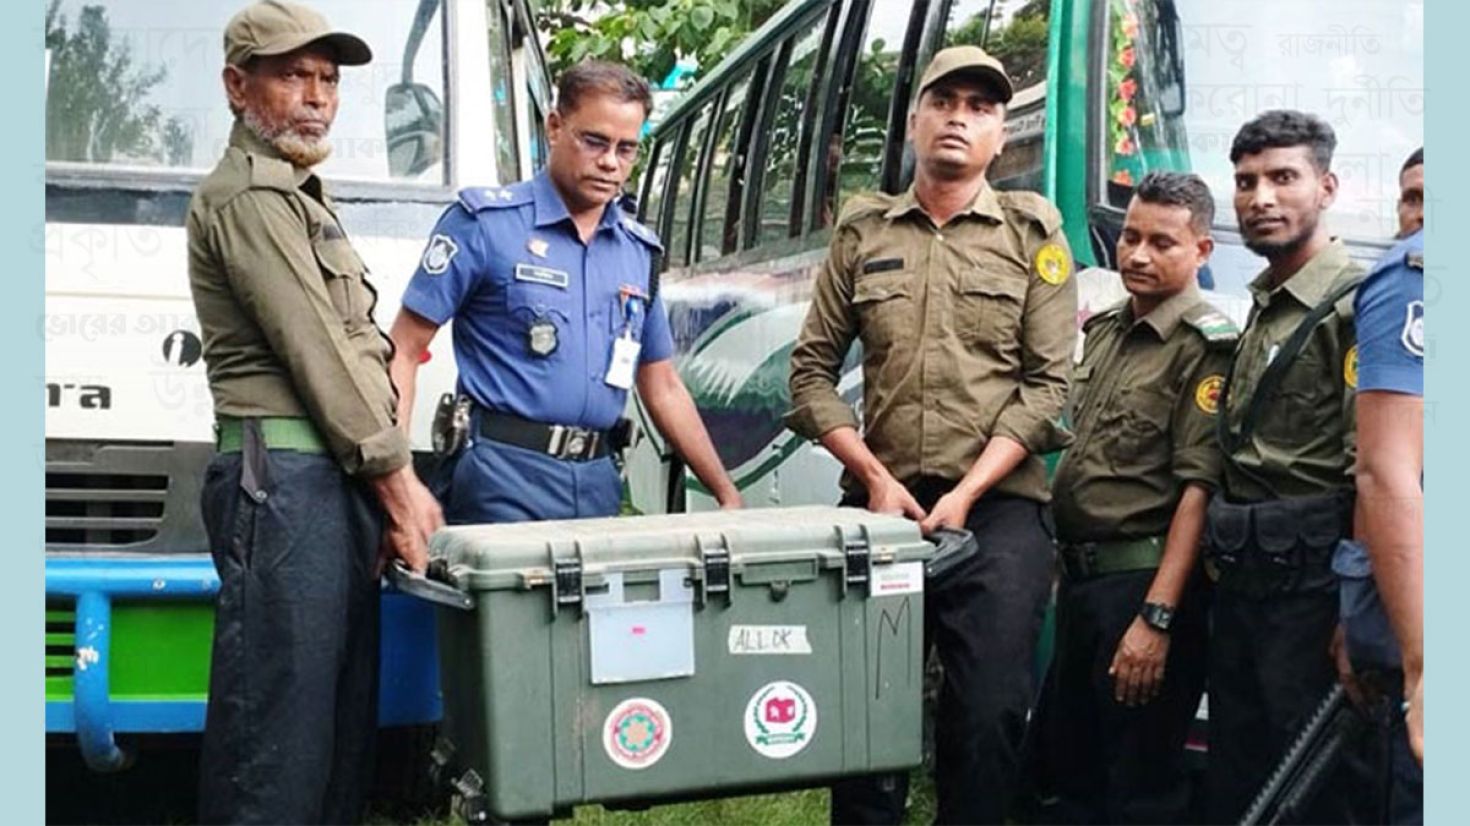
<point>780,720</point>
<point>1052,264</point>
<point>1207,394</point>
<point>1350,367</point>
<point>637,733</point>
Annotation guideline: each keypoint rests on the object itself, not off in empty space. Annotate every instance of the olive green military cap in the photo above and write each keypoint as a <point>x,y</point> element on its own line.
<point>968,60</point>
<point>274,27</point>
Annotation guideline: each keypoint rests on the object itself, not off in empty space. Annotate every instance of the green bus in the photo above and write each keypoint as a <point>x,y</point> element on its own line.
<point>747,171</point>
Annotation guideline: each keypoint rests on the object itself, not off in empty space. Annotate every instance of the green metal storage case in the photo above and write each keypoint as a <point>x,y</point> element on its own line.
<point>642,658</point>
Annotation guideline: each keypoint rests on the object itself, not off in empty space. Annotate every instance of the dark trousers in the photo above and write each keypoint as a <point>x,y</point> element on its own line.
<point>983,621</point>
<point>293,681</point>
<point>1114,763</point>
<point>1269,669</point>
<point>495,482</point>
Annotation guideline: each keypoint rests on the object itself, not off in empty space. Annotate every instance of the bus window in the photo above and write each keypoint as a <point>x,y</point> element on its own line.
<point>653,199</point>
<point>717,235</point>
<point>783,140</point>
<point>538,101</point>
<point>135,86</point>
<point>1017,37</point>
<point>507,156</point>
<point>683,208</point>
<point>860,141</point>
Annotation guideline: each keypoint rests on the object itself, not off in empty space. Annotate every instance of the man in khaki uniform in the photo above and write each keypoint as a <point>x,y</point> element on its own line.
<point>1129,499</point>
<point>312,477</point>
<point>964,302</point>
<point>1288,438</point>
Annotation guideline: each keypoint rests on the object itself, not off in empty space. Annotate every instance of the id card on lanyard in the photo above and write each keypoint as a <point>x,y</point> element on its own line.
<point>624,361</point>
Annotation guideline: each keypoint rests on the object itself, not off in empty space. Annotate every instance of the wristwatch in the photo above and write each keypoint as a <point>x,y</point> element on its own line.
<point>1158,615</point>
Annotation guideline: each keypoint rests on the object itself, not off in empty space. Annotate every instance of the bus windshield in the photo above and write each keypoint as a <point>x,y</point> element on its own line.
<point>1183,75</point>
<point>135,85</point>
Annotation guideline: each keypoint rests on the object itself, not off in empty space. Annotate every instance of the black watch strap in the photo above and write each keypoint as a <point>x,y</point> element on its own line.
<point>1159,616</point>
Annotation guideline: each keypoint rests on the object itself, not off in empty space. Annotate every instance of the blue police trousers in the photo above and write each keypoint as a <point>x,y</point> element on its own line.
<point>293,683</point>
<point>497,482</point>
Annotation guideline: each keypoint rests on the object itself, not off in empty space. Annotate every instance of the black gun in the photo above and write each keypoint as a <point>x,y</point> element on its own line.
<point>1308,763</point>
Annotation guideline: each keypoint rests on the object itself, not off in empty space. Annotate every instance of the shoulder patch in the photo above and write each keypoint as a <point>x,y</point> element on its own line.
<point>1207,394</point>
<point>1034,207</point>
<point>438,254</point>
<point>642,233</point>
<point>1414,260</point>
<point>271,173</point>
<point>1350,367</point>
<point>477,198</point>
<point>1215,326</point>
<point>1053,263</point>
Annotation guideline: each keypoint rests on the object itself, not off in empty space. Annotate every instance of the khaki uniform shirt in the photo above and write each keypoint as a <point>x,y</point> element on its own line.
<point>1143,406</point>
<point>967,332</point>
<point>285,309</point>
<point>1303,442</point>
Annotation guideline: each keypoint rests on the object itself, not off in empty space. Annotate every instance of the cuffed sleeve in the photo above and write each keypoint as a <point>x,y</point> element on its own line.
<point>1048,340</point>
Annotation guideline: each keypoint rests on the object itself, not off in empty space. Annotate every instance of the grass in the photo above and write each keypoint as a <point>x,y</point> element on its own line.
<point>803,808</point>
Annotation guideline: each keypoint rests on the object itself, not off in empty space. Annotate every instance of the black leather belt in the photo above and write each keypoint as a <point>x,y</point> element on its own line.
<point>576,444</point>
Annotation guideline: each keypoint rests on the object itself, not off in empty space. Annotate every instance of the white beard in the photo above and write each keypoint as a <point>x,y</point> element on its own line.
<point>299,149</point>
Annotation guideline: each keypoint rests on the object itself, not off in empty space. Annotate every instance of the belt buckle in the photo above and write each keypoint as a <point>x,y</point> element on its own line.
<point>571,442</point>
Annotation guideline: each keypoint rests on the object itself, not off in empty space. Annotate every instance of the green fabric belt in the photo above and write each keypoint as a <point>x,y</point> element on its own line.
<point>1085,560</point>
<point>279,432</point>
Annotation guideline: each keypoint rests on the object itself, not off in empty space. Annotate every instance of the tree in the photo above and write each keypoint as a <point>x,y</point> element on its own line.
<point>649,35</point>
<point>97,107</point>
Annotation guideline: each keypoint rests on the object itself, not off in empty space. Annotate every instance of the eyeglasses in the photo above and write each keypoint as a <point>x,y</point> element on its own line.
<point>599,145</point>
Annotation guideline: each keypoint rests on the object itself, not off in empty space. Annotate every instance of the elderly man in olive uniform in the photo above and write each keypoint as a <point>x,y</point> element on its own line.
<point>312,479</point>
<point>1288,438</point>
<point>964,302</point>
<point>1129,499</point>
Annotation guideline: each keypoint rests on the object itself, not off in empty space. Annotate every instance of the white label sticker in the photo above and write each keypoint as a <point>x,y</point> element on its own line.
<point>780,720</point>
<point>899,578</point>
<point>637,733</point>
<point>769,639</point>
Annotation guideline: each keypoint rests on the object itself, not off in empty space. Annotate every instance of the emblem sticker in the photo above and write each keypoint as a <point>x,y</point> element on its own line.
<point>1413,335</point>
<point>441,251</point>
<point>780,720</point>
<point>1053,264</point>
<point>637,733</point>
<point>1207,394</point>
<point>1350,367</point>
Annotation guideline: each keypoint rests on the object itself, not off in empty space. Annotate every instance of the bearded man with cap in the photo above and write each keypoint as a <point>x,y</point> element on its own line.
<point>963,299</point>
<point>312,480</point>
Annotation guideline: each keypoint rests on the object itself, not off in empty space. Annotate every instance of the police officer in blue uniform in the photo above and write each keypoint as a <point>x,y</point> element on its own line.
<point>550,286</point>
<point>1382,587</point>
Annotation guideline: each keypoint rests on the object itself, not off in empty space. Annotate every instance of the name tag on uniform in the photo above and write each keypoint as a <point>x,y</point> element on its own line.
<point>542,275</point>
<point>882,265</point>
<point>624,359</point>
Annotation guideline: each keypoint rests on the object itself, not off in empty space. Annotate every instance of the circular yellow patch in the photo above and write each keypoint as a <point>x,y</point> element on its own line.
<point>1207,394</point>
<point>1053,264</point>
<point>1350,367</point>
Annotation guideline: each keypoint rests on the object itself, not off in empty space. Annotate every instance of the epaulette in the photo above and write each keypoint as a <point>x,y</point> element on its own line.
<point>1097,317</point>
<point>476,198</point>
<point>642,233</point>
<point>271,173</point>
<point>1034,207</point>
<point>1215,326</point>
<point>864,204</point>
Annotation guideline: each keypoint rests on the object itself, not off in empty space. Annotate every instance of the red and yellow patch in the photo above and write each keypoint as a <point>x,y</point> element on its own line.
<point>1207,394</point>
<point>1350,367</point>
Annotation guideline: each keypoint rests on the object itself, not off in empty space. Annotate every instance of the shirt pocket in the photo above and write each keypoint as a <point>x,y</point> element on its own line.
<point>1304,403</point>
<point>529,301</point>
<point>1137,429</point>
<point>988,308</point>
<point>884,306</point>
<point>342,271</point>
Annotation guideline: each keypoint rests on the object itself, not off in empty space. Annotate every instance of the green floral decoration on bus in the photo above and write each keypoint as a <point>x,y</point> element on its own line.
<point>1125,166</point>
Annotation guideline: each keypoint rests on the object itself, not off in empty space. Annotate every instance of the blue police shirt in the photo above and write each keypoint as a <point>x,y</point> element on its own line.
<point>536,312</point>
<point>1390,320</point>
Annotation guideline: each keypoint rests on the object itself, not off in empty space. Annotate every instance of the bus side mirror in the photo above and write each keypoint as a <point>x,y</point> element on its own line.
<point>414,125</point>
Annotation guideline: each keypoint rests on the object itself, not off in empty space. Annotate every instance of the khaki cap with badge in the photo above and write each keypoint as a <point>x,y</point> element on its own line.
<point>273,27</point>
<point>968,60</point>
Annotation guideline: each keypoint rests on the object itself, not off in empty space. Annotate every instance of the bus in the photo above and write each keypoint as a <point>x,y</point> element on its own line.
<point>135,117</point>
<point>746,173</point>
